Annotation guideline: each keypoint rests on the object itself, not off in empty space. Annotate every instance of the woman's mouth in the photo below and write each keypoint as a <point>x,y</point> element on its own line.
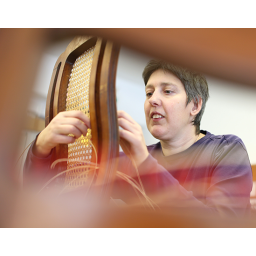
<point>156,116</point>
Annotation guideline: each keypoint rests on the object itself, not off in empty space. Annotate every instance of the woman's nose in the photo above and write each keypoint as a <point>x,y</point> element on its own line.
<point>155,100</point>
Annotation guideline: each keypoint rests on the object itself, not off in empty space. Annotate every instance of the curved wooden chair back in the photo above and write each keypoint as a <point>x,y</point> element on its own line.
<point>84,79</point>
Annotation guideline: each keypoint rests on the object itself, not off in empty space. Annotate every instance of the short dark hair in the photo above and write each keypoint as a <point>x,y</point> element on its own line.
<point>194,83</point>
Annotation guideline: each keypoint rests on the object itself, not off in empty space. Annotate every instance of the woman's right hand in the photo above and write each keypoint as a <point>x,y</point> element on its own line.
<point>64,123</point>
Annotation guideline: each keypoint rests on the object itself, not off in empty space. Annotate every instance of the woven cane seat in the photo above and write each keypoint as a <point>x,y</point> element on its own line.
<point>78,99</point>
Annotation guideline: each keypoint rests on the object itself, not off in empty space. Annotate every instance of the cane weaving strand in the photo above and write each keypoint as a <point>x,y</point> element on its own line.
<point>78,99</point>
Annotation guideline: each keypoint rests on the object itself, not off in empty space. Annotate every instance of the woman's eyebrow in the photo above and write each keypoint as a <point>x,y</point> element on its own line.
<point>149,86</point>
<point>165,84</point>
<point>161,84</point>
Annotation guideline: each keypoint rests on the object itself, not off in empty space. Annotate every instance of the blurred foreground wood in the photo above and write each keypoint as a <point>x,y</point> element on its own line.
<point>29,211</point>
<point>225,53</point>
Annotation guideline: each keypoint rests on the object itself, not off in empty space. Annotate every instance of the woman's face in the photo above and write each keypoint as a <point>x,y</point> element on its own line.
<point>167,115</point>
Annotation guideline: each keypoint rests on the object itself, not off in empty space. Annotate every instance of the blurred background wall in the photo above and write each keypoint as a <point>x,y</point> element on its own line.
<point>231,108</point>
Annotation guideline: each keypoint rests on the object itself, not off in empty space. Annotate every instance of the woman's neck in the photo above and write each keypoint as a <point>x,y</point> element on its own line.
<point>178,145</point>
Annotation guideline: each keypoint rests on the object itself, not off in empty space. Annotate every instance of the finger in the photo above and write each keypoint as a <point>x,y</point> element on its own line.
<point>132,134</point>
<point>78,114</point>
<point>69,129</point>
<point>64,139</point>
<point>123,114</point>
<point>127,136</point>
<point>127,125</point>
<point>75,122</point>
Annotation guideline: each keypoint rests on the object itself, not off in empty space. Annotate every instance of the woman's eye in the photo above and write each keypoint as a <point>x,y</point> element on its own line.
<point>168,91</point>
<point>148,94</point>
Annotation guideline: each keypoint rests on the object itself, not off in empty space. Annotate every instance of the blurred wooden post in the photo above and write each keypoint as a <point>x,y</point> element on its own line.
<point>20,51</point>
<point>227,53</point>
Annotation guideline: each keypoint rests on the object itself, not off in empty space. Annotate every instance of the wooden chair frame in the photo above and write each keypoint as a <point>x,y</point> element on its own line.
<point>102,104</point>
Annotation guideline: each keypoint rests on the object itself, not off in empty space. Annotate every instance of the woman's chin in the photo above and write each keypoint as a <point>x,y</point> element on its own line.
<point>157,133</point>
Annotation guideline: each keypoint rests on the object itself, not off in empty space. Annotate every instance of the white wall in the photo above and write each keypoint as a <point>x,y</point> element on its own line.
<point>231,108</point>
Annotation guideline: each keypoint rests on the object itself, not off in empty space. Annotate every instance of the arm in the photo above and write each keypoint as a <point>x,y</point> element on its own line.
<point>231,181</point>
<point>39,158</point>
<point>221,195</point>
<point>226,195</point>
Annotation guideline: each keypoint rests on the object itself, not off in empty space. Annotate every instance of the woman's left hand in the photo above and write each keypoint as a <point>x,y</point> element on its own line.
<point>131,138</point>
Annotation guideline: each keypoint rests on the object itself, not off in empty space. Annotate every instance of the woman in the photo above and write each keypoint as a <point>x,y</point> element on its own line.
<point>188,167</point>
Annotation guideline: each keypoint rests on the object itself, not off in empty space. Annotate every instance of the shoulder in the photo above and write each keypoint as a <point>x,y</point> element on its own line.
<point>228,149</point>
<point>227,146</point>
<point>227,140</point>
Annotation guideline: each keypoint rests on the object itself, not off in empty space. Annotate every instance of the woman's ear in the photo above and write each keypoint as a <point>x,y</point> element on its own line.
<point>197,105</point>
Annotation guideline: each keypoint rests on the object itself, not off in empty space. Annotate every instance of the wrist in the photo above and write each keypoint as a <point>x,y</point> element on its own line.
<point>39,150</point>
<point>140,159</point>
